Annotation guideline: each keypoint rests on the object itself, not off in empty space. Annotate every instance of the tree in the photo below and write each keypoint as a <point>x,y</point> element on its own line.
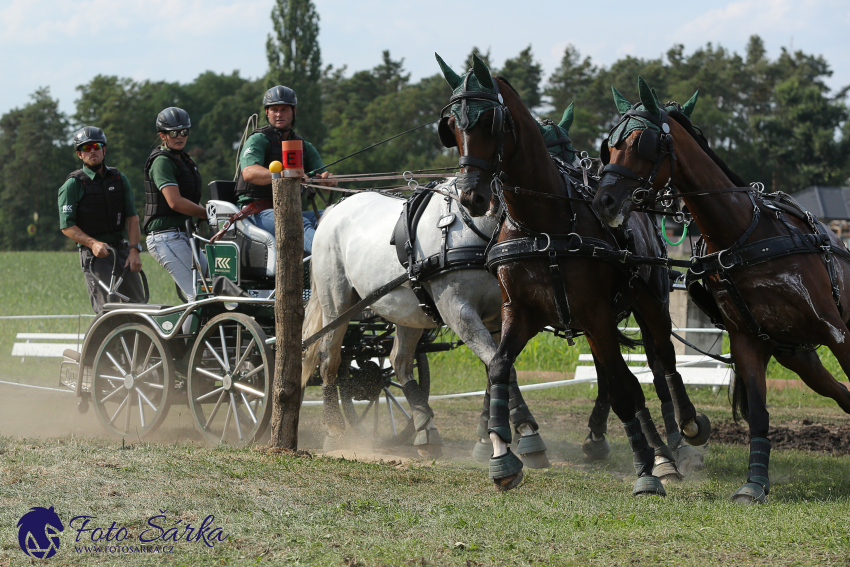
<point>295,60</point>
<point>524,74</point>
<point>35,159</point>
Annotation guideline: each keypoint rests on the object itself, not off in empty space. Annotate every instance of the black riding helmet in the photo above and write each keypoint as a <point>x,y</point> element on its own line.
<point>279,95</point>
<point>172,118</point>
<point>87,135</point>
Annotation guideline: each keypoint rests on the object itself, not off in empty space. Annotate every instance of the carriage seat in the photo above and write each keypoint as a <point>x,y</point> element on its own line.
<point>257,256</point>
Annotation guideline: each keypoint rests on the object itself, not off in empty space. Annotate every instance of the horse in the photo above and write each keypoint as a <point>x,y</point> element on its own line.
<point>777,278</point>
<point>550,277</point>
<point>352,257</point>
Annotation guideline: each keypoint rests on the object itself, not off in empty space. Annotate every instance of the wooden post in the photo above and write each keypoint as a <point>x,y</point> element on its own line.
<point>289,312</point>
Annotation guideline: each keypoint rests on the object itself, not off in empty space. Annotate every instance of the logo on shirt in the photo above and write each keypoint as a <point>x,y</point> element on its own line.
<point>67,208</point>
<point>112,188</point>
<point>247,151</point>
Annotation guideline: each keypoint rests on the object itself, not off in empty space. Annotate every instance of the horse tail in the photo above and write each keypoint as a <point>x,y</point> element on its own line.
<point>312,325</point>
<point>628,341</point>
<point>740,403</point>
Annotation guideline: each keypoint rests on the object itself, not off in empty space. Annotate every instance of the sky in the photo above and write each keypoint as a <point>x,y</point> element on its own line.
<point>61,44</point>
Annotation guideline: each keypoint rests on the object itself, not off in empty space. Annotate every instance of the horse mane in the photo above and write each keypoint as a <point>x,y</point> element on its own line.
<point>686,123</point>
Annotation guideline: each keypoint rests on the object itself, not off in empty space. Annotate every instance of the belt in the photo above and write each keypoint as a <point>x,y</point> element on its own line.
<point>163,231</point>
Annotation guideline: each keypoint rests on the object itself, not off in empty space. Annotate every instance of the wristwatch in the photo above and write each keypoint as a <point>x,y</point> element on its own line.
<point>137,246</point>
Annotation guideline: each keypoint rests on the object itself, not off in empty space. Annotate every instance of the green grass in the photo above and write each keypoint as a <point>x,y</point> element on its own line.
<point>282,510</point>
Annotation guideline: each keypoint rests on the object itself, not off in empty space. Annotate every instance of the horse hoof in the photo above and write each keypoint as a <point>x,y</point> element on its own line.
<point>698,430</point>
<point>666,471</point>
<point>508,482</point>
<point>504,466</point>
<point>483,451</point>
<point>688,459</point>
<point>430,451</point>
<point>536,460</point>
<point>750,493</point>
<point>649,486</point>
<point>428,437</point>
<point>596,450</point>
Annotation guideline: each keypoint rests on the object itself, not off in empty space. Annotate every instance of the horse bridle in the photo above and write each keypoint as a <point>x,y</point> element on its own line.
<point>653,146</point>
<point>467,181</point>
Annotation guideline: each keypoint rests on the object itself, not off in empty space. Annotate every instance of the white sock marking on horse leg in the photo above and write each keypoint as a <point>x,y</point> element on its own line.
<point>525,429</point>
<point>499,447</point>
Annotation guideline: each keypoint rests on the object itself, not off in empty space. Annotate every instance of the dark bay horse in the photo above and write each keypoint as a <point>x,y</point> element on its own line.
<point>777,278</point>
<point>547,273</point>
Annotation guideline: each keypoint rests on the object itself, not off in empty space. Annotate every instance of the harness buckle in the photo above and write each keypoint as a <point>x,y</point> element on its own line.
<point>548,242</point>
<point>720,261</point>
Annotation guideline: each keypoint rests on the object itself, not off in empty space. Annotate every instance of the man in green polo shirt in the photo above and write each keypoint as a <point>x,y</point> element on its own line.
<point>254,182</point>
<point>96,210</point>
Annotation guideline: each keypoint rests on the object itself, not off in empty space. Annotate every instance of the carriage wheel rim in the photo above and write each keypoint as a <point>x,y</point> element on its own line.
<point>132,381</point>
<point>229,387</point>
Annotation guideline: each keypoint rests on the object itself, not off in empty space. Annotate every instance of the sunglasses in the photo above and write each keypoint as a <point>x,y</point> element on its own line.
<point>182,133</point>
<point>91,147</point>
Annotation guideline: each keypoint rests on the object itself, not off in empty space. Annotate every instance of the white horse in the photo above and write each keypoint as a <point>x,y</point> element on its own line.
<point>352,257</point>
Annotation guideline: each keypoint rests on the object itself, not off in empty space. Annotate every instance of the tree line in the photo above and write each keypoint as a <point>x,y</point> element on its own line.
<point>771,120</point>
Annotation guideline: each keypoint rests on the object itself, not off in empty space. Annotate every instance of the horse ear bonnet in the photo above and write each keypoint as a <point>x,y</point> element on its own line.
<point>648,144</point>
<point>446,135</point>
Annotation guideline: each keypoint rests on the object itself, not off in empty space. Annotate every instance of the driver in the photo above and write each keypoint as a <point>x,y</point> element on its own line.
<point>254,182</point>
<point>96,210</point>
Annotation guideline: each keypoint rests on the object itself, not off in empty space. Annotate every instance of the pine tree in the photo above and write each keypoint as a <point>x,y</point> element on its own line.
<point>295,60</point>
<point>524,74</point>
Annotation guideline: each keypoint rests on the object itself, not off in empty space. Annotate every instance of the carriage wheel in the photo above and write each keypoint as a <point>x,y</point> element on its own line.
<point>229,383</point>
<point>132,381</point>
<point>386,415</point>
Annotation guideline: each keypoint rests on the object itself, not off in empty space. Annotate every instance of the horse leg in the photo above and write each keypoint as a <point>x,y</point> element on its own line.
<point>330,357</point>
<point>653,318</point>
<point>595,446</point>
<point>628,402</point>
<point>751,355</point>
<point>468,324</point>
<point>428,442</point>
<point>808,366</point>
<point>517,330</point>
<point>483,448</point>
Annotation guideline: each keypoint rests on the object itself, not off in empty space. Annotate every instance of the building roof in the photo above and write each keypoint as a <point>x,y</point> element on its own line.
<point>827,203</point>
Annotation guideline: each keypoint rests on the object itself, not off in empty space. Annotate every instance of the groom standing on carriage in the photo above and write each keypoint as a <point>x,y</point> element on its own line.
<point>254,182</point>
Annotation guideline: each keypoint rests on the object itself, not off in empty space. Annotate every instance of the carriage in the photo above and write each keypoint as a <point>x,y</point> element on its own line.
<point>216,353</point>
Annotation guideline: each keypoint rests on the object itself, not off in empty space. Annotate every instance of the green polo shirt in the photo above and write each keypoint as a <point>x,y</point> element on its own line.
<point>164,173</point>
<point>254,153</point>
<point>72,192</point>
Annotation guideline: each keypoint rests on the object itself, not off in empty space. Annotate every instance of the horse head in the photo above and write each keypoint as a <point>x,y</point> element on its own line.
<point>476,121</point>
<point>638,155</point>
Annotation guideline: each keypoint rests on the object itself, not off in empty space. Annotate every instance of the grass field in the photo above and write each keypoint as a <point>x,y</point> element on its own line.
<point>279,509</point>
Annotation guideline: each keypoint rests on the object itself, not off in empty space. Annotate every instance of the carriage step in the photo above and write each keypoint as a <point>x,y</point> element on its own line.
<point>72,354</point>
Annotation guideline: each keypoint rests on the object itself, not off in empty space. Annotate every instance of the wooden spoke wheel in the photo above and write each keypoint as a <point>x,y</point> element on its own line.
<point>229,381</point>
<point>382,412</point>
<point>132,381</point>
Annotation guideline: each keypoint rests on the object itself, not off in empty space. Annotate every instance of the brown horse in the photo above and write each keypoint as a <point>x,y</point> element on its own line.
<point>545,263</point>
<point>778,279</point>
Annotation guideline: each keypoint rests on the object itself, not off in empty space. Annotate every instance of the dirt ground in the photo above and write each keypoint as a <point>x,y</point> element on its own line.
<point>42,414</point>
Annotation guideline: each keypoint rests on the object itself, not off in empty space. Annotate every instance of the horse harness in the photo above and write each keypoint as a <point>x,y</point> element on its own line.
<point>744,255</point>
<point>446,260</point>
<point>656,147</point>
<point>568,245</point>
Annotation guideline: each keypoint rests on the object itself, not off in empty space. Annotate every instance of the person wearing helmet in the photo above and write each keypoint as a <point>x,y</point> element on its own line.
<point>96,210</point>
<point>254,181</point>
<point>173,196</point>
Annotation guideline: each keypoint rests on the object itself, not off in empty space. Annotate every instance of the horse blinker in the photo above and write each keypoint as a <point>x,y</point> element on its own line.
<point>447,137</point>
<point>648,145</point>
